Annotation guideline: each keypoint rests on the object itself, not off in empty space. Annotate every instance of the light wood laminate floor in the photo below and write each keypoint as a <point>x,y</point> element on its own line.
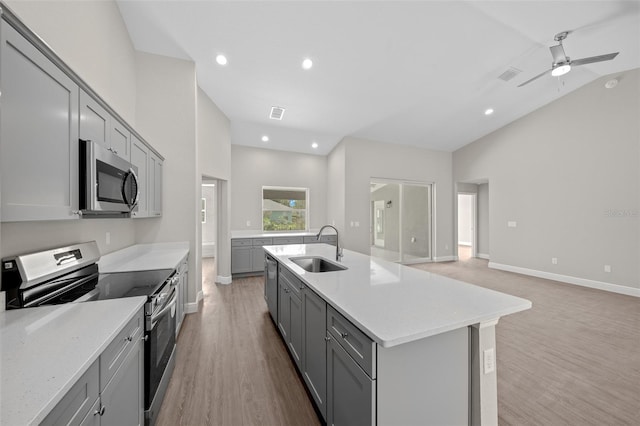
<point>232,368</point>
<point>573,359</point>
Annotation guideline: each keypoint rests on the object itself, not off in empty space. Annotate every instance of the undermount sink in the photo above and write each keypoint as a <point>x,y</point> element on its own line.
<point>317,264</point>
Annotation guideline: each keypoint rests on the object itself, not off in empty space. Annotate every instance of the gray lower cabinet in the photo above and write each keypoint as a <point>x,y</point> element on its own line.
<point>247,255</point>
<point>111,392</point>
<point>290,315</point>
<point>122,398</point>
<point>75,406</point>
<point>350,392</point>
<point>39,163</point>
<point>314,355</point>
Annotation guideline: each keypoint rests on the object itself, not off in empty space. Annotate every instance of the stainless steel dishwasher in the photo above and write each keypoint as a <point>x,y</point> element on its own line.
<point>271,286</point>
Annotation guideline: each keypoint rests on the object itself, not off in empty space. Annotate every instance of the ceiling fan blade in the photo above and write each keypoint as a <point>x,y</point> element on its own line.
<point>534,78</point>
<point>593,59</point>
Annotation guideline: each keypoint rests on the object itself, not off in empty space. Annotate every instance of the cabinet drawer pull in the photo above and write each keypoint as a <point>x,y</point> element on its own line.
<point>129,338</point>
<point>344,335</point>
<point>99,412</point>
<point>286,290</point>
<point>327,338</point>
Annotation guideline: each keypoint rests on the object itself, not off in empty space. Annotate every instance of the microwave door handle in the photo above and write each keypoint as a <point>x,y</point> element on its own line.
<point>131,203</point>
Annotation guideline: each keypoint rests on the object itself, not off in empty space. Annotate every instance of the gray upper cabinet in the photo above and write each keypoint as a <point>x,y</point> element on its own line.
<point>97,125</point>
<point>95,121</point>
<point>155,185</point>
<point>38,134</point>
<point>140,159</point>
<point>120,140</point>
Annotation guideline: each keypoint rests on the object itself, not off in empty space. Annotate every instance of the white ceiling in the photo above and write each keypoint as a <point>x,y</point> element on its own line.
<point>417,72</point>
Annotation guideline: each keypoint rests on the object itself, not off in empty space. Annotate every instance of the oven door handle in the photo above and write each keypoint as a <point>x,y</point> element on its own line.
<point>156,317</point>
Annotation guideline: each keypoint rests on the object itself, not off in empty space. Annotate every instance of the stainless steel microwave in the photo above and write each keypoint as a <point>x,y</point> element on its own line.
<point>108,183</point>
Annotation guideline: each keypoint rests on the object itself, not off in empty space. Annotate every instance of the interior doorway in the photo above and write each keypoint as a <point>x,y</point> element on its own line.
<point>467,226</point>
<point>401,220</point>
<point>209,217</point>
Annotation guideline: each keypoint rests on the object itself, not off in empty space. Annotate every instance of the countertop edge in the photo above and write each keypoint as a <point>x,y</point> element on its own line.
<point>390,342</point>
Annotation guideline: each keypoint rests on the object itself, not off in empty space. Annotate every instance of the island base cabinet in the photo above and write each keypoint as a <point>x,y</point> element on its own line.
<point>351,394</point>
<point>425,381</point>
<point>314,352</point>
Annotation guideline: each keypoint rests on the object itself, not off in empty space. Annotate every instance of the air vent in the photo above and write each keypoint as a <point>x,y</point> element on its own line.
<point>509,74</point>
<point>276,113</point>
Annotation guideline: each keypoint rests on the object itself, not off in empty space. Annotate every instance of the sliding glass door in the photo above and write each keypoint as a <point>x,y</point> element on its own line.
<point>401,220</point>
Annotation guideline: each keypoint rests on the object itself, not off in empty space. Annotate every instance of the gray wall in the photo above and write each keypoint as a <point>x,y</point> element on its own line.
<point>365,159</point>
<point>569,175</point>
<point>253,168</point>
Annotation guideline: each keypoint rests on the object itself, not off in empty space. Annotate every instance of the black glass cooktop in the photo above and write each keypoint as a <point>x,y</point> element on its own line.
<point>114,286</point>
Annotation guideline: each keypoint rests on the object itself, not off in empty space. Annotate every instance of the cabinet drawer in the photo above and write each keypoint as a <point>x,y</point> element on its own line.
<point>76,404</point>
<point>261,241</point>
<point>117,351</point>
<point>329,239</point>
<point>241,242</point>
<point>361,348</point>
<point>291,281</point>
<point>311,240</point>
<point>287,240</point>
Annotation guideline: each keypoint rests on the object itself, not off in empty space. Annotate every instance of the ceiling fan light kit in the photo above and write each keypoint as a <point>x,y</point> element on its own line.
<point>562,64</point>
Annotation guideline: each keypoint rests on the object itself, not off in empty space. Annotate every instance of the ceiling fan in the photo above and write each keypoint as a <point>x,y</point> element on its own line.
<point>562,64</point>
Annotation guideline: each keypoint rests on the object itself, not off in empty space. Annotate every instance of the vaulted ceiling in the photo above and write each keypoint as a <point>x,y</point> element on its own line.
<point>419,73</point>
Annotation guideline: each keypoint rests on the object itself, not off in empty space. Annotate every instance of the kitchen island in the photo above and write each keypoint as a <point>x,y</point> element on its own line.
<point>424,343</point>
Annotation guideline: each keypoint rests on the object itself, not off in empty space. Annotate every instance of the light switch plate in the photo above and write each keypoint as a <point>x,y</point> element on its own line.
<point>512,224</point>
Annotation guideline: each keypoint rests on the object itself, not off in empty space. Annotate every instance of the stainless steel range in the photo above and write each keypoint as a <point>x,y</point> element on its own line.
<point>70,275</point>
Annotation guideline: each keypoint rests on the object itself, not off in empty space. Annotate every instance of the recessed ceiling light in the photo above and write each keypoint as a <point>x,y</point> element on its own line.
<point>314,145</point>
<point>221,59</point>
<point>488,111</point>
<point>307,64</point>
<point>611,83</point>
<point>265,138</point>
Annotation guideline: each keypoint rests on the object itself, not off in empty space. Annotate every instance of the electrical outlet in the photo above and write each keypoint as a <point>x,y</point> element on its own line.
<point>352,224</point>
<point>554,260</point>
<point>107,238</point>
<point>607,268</point>
<point>357,224</point>
<point>446,246</point>
<point>248,223</point>
<point>512,224</point>
<point>489,361</point>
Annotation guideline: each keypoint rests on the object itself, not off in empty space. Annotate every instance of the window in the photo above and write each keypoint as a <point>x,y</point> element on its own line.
<point>284,209</point>
<point>203,210</point>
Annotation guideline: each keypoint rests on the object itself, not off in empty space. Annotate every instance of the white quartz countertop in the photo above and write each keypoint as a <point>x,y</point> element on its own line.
<point>45,350</point>
<point>395,304</point>
<point>144,257</point>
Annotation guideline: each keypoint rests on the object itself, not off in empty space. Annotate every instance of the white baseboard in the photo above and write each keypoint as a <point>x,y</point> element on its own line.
<point>600,285</point>
<point>483,256</point>
<point>445,258</point>
<point>192,308</point>
<point>223,280</point>
<point>209,250</point>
